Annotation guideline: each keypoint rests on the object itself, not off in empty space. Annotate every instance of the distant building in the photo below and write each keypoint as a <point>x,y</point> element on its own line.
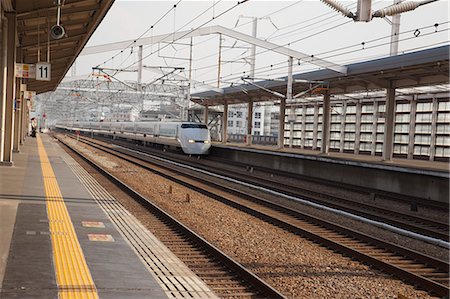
<point>265,120</point>
<point>121,114</point>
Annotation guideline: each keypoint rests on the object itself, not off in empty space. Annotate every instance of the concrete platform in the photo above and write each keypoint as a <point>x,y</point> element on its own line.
<point>422,179</point>
<point>56,241</point>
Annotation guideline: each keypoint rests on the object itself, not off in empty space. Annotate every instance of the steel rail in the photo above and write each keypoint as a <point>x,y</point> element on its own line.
<point>342,242</point>
<point>411,200</point>
<point>261,288</point>
<point>417,224</point>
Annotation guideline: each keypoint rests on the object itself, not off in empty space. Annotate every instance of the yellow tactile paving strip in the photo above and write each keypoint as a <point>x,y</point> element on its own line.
<point>72,273</point>
<point>174,277</point>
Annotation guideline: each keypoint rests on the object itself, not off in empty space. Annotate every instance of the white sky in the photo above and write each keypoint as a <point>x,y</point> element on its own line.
<point>302,20</point>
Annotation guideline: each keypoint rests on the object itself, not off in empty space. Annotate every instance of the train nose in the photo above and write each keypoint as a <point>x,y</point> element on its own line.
<point>197,148</point>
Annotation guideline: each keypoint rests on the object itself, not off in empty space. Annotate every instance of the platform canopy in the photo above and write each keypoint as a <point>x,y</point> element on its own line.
<point>79,18</point>
<point>420,68</point>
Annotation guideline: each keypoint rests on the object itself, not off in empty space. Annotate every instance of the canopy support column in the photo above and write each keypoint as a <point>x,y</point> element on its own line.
<point>326,124</point>
<point>225,122</point>
<point>206,116</point>
<point>388,143</point>
<point>249,122</point>
<point>9,87</point>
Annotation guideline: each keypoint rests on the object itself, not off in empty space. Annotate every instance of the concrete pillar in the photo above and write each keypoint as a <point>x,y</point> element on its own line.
<point>291,119</point>
<point>358,127</point>
<point>283,103</point>
<point>24,121</point>
<point>374,128</point>
<point>325,124</point>
<point>281,124</point>
<point>225,122</point>
<point>9,89</point>
<point>412,127</point>
<point>433,129</point>
<point>27,118</point>
<point>206,116</point>
<point>388,143</point>
<point>342,133</point>
<point>249,122</point>
<point>303,125</point>
<point>3,45</point>
<point>17,117</point>
<point>316,125</point>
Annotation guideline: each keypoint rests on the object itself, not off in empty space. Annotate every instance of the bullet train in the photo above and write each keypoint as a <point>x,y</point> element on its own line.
<point>193,138</point>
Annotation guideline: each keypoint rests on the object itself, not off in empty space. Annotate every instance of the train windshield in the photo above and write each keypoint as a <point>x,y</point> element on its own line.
<point>194,126</point>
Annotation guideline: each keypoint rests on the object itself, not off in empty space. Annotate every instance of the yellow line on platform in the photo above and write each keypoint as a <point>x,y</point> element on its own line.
<point>72,273</point>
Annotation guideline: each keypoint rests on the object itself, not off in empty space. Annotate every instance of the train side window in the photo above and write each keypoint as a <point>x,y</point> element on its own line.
<point>193,126</point>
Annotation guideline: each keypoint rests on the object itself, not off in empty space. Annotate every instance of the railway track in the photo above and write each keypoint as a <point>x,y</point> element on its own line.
<point>226,277</point>
<point>413,223</point>
<point>412,202</point>
<point>423,271</point>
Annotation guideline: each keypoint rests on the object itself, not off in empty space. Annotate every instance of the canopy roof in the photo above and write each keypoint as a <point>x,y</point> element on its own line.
<point>79,18</point>
<point>420,68</point>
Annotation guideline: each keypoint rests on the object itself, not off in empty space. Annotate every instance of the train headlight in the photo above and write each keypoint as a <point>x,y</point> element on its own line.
<point>206,141</point>
<point>191,140</point>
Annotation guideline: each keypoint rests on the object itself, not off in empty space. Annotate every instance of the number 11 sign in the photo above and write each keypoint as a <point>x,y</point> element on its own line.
<point>43,71</point>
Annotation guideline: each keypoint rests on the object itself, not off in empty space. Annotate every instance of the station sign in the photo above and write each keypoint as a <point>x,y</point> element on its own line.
<point>40,71</point>
<point>32,105</point>
<point>29,95</point>
<point>25,70</point>
<point>30,98</point>
<point>43,71</point>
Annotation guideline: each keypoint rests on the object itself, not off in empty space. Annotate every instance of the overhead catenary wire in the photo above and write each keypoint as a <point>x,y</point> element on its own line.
<point>360,59</point>
<point>246,57</point>
<point>198,27</point>
<point>249,22</point>
<point>172,33</point>
<point>333,51</point>
<point>237,76</point>
<point>268,50</point>
<point>296,29</point>
<point>347,47</point>
<point>144,33</point>
<point>240,25</point>
<point>325,30</point>
<point>279,10</point>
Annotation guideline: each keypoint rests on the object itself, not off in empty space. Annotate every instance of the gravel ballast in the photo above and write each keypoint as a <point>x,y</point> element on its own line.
<point>293,265</point>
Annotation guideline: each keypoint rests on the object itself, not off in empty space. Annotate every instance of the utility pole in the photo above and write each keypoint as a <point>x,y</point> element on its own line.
<point>253,48</point>
<point>219,63</point>
<point>395,30</point>
<point>185,113</point>
<point>139,81</point>
<point>139,72</point>
<point>291,117</point>
<point>100,109</point>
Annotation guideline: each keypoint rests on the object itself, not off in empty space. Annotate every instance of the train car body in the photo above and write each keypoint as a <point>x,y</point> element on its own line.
<point>193,138</point>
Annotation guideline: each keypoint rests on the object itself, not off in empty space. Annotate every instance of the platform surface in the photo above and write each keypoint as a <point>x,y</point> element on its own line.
<point>368,160</point>
<point>38,256</point>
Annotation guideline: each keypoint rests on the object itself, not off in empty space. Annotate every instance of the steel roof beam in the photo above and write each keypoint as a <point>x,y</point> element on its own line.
<point>216,30</point>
